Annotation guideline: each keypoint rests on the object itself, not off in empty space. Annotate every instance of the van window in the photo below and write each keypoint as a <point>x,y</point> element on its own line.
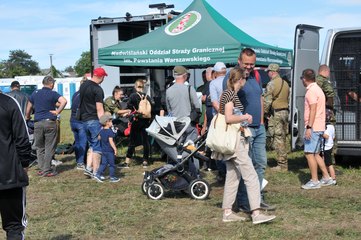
<point>345,65</point>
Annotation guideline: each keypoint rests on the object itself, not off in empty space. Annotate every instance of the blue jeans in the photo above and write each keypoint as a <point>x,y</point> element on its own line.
<point>257,152</point>
<point>107,158</point>
<point>80,140</point>
<point>92,130</point>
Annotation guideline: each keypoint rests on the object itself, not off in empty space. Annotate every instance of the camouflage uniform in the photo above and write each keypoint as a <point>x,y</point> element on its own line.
<point>326,86</point>
<point>277,108</point>
<point>111,105</point>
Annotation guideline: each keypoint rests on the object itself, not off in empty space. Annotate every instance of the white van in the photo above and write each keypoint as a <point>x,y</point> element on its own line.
<point>342,53</point>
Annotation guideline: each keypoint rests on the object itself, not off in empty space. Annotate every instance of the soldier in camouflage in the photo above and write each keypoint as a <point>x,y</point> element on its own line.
<point>276,109</point>
<point>323,81</point>
<point>113,104</point>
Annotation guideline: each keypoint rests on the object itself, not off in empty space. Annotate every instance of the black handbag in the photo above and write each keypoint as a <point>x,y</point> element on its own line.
<point>195,112</point>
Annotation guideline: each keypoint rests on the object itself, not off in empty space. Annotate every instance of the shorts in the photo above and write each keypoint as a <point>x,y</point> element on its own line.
<point>314,144</point>
<point>327,156</point>
<point>92,129</point>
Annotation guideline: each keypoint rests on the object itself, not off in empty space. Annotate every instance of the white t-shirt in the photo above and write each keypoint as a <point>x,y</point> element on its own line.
<point>330,131</point>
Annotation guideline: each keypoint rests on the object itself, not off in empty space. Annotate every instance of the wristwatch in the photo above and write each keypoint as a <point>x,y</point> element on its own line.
<point>308,127</point>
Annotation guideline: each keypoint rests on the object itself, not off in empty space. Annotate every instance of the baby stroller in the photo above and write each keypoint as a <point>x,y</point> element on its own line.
<point>175,176</point>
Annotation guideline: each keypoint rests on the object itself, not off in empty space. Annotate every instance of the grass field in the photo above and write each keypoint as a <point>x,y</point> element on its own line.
<point>70,206</point>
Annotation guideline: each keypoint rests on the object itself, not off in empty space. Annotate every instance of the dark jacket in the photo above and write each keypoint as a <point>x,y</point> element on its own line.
<point>14,144</point>
<point>139,124</point>
<point>21,97</point>
<point>75,102</point>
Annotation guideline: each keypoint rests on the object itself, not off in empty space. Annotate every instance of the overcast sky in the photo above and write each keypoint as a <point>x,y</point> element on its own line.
<point>61,27</point>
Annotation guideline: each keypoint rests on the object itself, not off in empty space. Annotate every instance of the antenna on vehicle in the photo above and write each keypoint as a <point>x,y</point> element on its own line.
<point>128,16</point>
<point>161,6</point>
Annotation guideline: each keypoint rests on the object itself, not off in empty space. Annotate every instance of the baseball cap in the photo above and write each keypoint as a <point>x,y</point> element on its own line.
<point>179,70</point>
<point>100,72</point>
<point>273,67</point>
<point>104,118</point>
<point>15,84</point>
<point>219,66</point>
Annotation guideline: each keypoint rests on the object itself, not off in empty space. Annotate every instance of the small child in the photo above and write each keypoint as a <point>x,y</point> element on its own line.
<point>329,136</point>
<point>109,151</point>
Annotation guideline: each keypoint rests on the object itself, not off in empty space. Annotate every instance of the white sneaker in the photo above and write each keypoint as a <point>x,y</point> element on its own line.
<point>311,185</point>
<point>232,217</point>
<point>262,218</point>
<point>98,179</point>
<point>326,182</point>
<point>56,162</point>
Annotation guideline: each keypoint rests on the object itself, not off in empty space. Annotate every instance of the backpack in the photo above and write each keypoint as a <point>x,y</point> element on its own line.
<point>257,76</point>
<point>145,108</point>
<point>64,149</point>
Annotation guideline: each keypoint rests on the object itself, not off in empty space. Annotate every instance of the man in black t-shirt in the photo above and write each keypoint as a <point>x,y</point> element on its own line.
<point>91,109</point>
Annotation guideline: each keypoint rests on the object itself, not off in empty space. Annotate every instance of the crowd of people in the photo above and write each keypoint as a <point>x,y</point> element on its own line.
<point>96,122</point>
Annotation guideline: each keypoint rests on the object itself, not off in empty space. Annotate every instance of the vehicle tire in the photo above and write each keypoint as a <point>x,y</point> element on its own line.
<point>155,191</point>
<point>199,189</point>
<point>144,187</point>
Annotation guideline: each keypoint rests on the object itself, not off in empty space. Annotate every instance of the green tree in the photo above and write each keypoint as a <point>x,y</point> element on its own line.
<point>69,69</point>
<point>83,65</point>
<point>54,72</point>
<point>18,64</point>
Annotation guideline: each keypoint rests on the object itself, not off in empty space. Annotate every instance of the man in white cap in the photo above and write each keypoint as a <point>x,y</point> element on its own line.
<point>215,87</point>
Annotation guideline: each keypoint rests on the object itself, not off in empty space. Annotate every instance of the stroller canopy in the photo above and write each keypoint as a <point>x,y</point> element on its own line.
<point>168,129</point>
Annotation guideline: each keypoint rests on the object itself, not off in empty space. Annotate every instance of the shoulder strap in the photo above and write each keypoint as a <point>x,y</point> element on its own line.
<point>220,104</point>
<point>140,95</point>
<point>81,96</point>
<point>190,99</point>
<point>275,97</point>
<point>257,76</point>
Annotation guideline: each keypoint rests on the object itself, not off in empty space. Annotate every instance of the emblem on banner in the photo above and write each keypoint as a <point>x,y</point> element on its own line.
<point>183,23</point>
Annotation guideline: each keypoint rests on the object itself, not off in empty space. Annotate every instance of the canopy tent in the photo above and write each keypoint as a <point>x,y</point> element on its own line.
<point>199,36</point>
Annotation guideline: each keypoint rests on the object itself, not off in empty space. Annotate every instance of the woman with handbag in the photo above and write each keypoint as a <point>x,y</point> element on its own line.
<point>138,135</point>
<point>239,164</point>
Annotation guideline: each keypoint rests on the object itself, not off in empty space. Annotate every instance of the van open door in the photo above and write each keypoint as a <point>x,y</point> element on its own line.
<point>306,55</point>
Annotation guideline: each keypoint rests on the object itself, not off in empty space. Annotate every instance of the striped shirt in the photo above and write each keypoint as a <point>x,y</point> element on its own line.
<point>230,96</point>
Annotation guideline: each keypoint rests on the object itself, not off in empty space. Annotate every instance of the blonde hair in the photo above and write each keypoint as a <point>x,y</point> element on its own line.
<point>235,75</point>
<point>139,81</point>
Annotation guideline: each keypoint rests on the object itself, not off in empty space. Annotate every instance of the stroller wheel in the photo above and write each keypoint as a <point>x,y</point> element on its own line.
<point>155,191</point>
<point>199,189</point>
<point>144,187</point>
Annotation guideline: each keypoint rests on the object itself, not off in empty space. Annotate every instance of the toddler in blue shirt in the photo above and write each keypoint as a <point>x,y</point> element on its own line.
<point>109,150</point>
